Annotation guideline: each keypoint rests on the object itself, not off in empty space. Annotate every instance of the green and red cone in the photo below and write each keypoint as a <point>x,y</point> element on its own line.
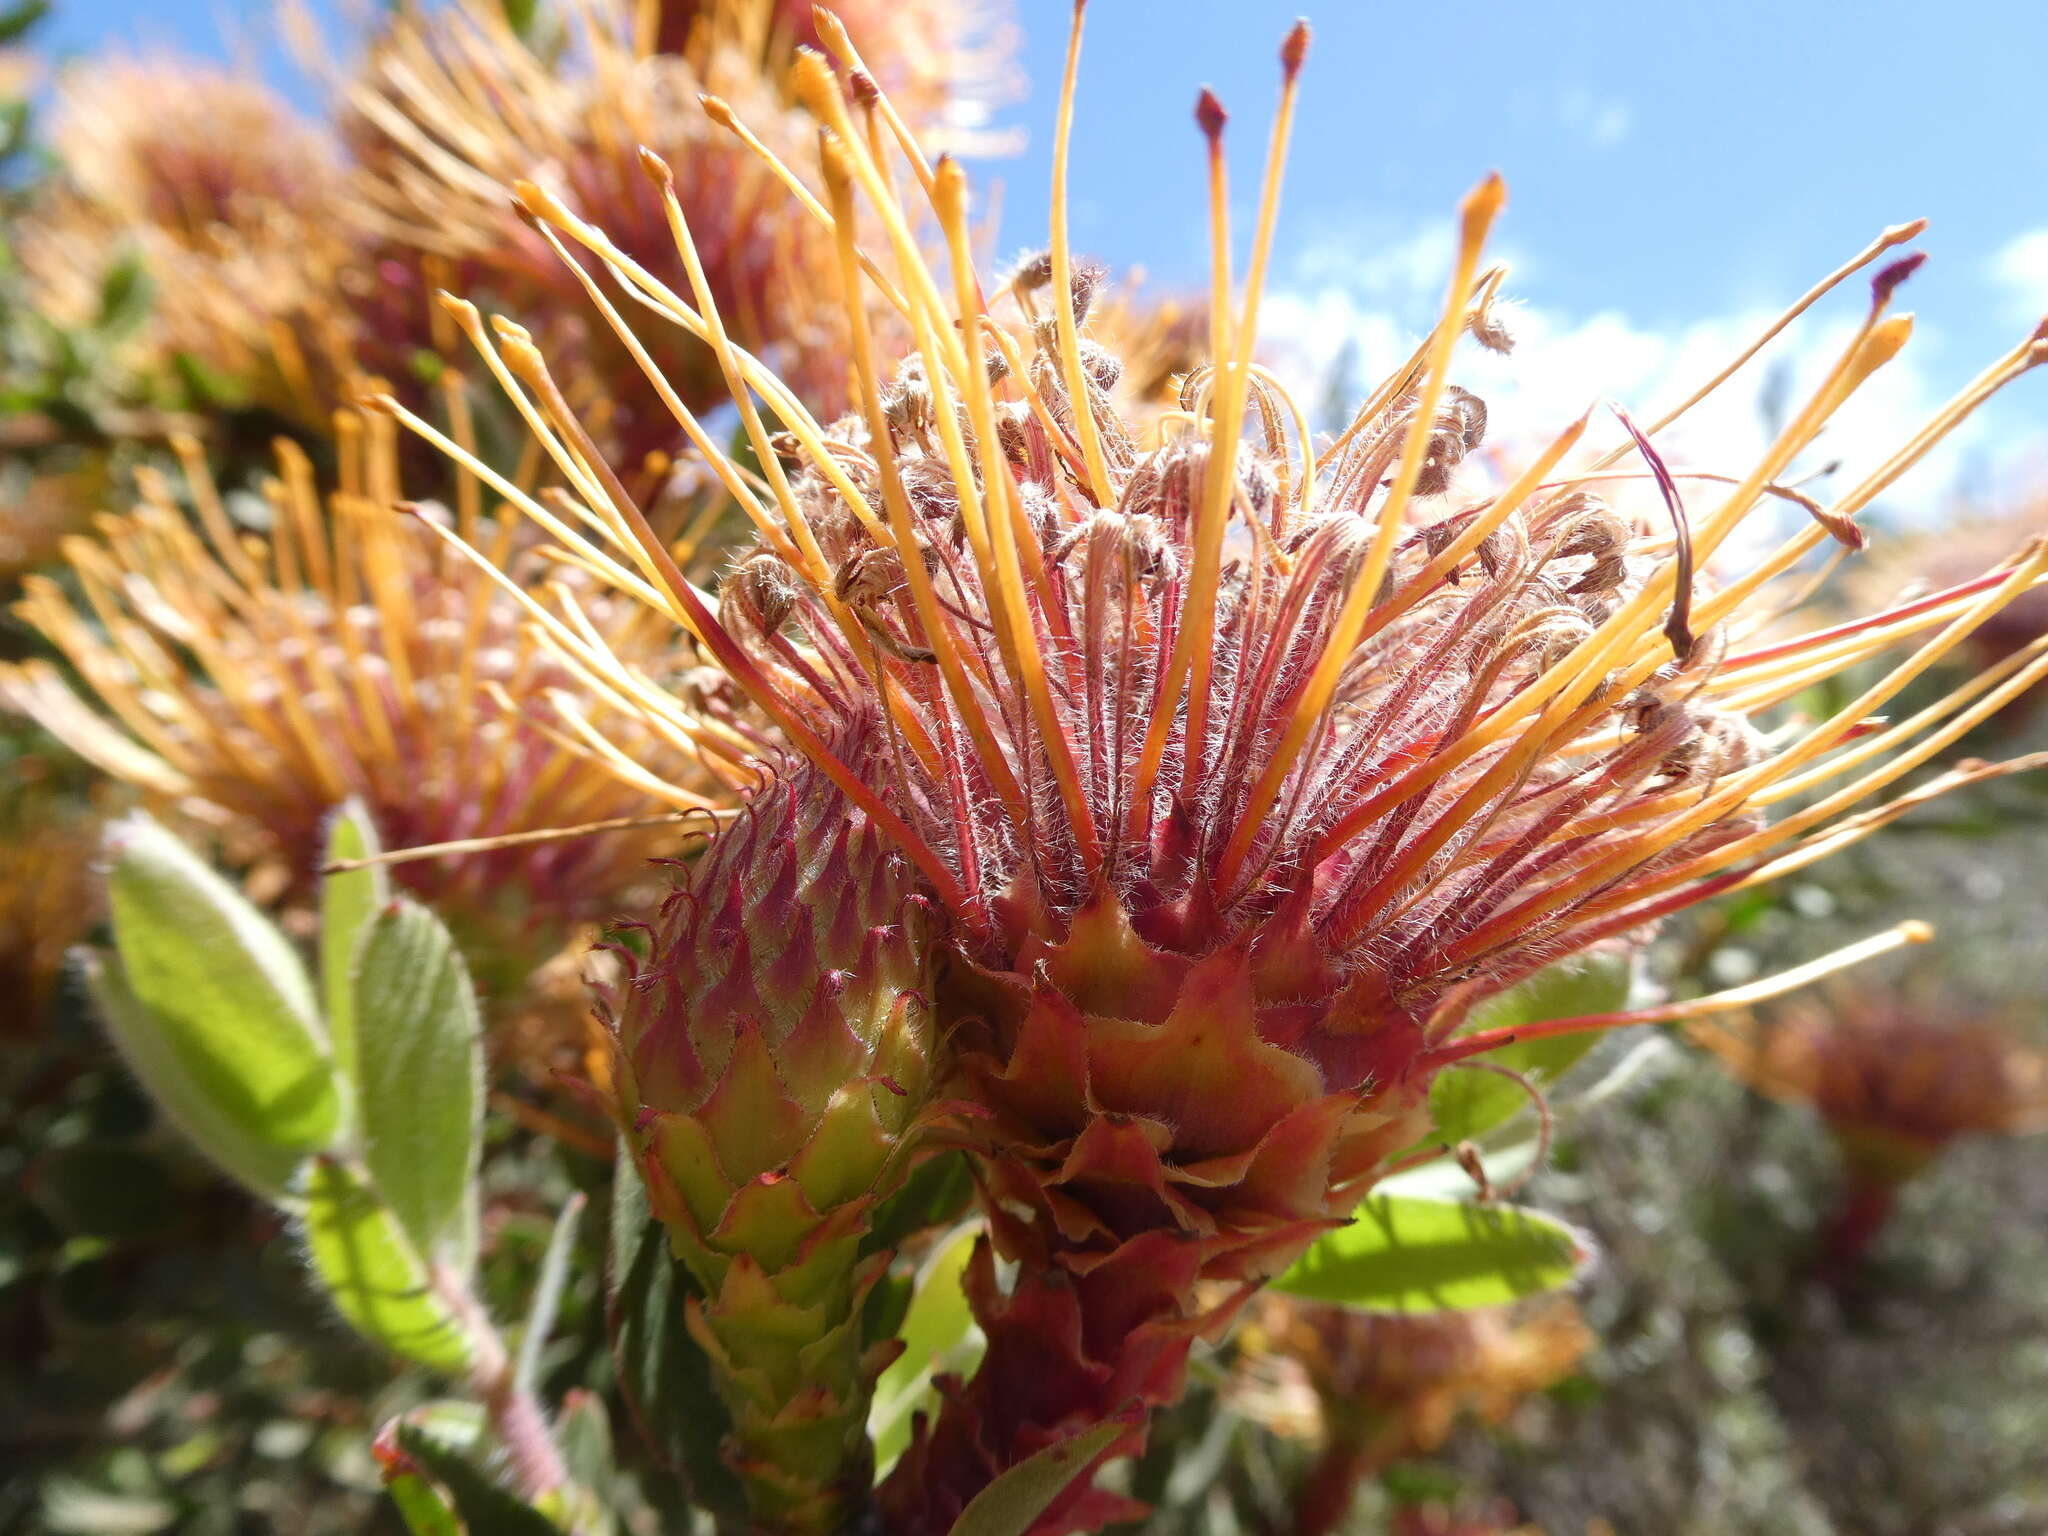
<point>772,1072</point>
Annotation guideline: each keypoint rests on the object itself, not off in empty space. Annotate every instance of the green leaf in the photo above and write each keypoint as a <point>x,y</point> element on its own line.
<point>1469,1102</point>
<point>937,1192</point>
<point>125,297</point>
<point>547,1291</point>
<point>1008,1506</point>
<point>347,903</point>
<point>17,19</point>
<point>184,1098</point>
<point>424,1508</point>
<point>373,1274</point>
<point>213,1009</point>
<point>663,1374</point>
<point>1403,1253</point>
<point>585,1436</point>
<point>938,1336</point>
<point>484,1507</point>
<point>419,1078</point>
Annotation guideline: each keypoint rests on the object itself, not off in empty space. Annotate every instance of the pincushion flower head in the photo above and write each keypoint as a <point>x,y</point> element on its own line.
<point>260,682</point>
<point>1380,1387</point>
<point>1897,1076</point>
<point>451,104</point>
<point>227,197</point>
<point>1237,769</point>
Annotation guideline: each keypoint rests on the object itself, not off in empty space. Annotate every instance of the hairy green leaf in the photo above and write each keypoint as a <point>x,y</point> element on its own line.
<point>419,1078</point>
<point>214,1010</point>
<point>347,903</point>
<point>1404,1253</point>
<point>252,1160</point>
<point>377,1280</point>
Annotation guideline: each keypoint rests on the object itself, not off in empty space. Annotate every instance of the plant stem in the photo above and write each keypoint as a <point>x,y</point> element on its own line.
<point>515,1415</point>
<point>1865,1207</point>
<point>1352,1455</point>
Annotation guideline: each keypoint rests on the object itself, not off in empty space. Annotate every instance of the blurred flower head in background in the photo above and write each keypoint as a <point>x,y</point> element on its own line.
<point>1403,1382</point>
<point>258,680</point>
<point>226,196</point>
<point>1897,1074</point>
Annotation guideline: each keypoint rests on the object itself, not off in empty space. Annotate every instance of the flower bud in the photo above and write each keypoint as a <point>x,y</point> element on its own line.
<point>772,1067</point>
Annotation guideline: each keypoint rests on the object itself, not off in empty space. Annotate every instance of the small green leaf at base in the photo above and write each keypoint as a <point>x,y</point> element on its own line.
<point>1008,1506</point>
<point>1408,1254</point>
<point>374,1276</point>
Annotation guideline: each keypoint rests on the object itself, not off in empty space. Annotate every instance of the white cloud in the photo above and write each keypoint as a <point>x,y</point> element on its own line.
<point>1363,314</point>
<point>2020,268</point>
<point>1601,123</point>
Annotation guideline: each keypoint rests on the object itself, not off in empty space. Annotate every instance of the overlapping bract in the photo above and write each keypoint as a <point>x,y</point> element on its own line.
<point>772,1075</point>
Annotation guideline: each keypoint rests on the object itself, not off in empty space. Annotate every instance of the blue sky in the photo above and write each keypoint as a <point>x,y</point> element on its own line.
<point>1672,168</point>
<point>1670,160</point>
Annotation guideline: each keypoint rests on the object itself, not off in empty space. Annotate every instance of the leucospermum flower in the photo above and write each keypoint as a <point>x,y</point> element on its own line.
<point>772,1072</point>
<point>946,64</point>
<point>225,193</point>
<point>1385,1387</point>
<point>259,682</point>
<point>1897,1078</point>
<point>1239,768</point>
<point>451,105</point>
